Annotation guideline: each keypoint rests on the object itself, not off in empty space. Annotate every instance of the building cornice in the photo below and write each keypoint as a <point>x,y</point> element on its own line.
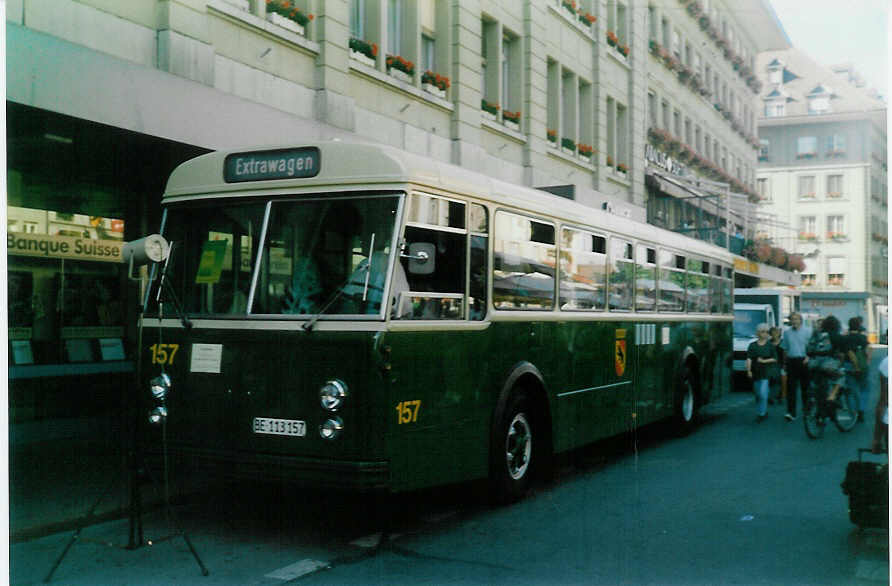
<point>876,116</point>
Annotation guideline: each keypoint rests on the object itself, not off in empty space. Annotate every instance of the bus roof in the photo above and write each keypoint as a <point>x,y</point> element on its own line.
<point>351,166</point>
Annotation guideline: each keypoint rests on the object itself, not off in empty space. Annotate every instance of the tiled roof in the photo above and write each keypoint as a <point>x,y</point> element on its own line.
<point>811,79</point>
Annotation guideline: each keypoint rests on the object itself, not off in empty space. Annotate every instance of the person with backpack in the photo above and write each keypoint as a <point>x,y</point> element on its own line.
<point>856,363</point>
<point>826,350</point>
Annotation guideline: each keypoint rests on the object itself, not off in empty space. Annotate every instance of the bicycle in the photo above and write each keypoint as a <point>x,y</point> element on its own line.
<point>816,410</point>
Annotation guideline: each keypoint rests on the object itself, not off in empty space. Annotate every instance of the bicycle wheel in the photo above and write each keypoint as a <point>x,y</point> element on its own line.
<point>846,415</point>
<point>812,417</point>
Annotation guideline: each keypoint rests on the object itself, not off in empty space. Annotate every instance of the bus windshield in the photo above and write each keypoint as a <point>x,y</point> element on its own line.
<point>328,256</point>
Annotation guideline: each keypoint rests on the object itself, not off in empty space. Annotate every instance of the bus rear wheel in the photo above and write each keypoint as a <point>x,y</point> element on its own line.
<point>514,450</point>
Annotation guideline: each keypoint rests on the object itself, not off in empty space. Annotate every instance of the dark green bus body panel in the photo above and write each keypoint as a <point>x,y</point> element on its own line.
<point>456,375</point>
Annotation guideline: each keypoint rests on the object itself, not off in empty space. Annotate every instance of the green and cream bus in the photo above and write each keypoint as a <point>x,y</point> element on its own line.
<point>355,316</point>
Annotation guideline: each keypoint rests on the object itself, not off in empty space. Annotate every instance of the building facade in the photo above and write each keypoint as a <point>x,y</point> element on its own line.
<point>822,176</point>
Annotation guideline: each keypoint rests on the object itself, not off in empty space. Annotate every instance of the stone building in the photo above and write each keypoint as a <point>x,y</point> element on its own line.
<point>822,175</point>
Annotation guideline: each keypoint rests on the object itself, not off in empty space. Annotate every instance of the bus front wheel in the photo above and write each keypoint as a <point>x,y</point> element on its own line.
<point>513,451</point>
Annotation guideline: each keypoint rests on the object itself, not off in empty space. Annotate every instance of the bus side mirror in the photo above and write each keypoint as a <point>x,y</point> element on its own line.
<point>421,258</point>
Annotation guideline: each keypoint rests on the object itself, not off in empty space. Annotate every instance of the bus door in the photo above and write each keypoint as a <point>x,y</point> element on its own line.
<point>438,343</point>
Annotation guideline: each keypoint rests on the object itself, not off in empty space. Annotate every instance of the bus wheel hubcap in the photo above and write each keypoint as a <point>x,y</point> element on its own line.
<point>518,446</point>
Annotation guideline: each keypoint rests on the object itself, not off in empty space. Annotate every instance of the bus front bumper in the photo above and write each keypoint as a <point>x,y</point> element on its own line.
<point>361,476</point>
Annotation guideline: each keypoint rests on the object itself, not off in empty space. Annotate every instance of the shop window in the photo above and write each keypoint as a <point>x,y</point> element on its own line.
<point>64,287</point>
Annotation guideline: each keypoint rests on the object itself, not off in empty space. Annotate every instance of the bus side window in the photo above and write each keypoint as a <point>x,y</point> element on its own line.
<point>479,228</point>
<point>671,281</point>
<point>622,275</point>
<point>583,276</point>
<point>645,279</point>
<point>437,294</point>
<point>524,263</point>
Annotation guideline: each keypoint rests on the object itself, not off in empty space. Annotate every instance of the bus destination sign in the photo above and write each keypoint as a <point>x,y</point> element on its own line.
<point>269,165</point>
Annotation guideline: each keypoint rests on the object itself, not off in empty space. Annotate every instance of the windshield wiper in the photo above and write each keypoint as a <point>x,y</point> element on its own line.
<point>176,302</point>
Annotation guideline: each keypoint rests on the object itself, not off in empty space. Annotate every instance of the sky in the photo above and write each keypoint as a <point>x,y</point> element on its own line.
<point>841,31</point>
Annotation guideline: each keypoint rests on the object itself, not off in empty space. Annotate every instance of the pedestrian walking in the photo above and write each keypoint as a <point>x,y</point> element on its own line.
<point>759,356</point>
<point>858,349</point>
<point>793,342</point>
<point>777,376</point>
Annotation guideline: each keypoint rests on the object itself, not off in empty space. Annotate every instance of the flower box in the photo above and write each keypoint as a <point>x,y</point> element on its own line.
<point>286,23</point>
<point>400,75</point>
<point>362,58</point>
<point>432,89</point>
<point>490,110</point>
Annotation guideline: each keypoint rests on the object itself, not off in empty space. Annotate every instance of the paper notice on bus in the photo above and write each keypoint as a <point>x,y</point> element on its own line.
<point>211,264</point>
<point>206,358</point>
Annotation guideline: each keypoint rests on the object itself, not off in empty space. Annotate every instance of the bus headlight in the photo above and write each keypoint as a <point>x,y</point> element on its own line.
<point>158,415</point>
<point>331,429</point>
<point>332,395</point>
<point>160,386</point>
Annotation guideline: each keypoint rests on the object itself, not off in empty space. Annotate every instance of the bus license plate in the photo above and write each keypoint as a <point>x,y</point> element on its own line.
<point>269,426</point>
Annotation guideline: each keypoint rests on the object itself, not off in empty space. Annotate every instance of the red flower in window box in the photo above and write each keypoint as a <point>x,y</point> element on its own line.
<point>612,39</point>
<point>621,167</point>
<point>585,150</point>
<point>288,10</point>
<point>511,116</point>
<point>400,64</point>
<point>435,79</point>
<point>587,18</point>
<point>551,135</point>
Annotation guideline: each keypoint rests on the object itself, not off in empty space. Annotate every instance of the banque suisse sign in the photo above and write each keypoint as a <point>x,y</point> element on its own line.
<point>42,245</point>
<point>268,165</point>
